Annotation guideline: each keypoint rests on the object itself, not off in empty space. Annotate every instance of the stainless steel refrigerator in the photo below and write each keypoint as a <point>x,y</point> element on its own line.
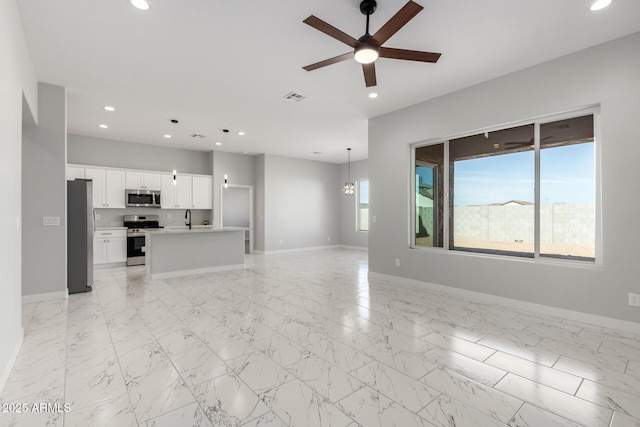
<point>80,231</point>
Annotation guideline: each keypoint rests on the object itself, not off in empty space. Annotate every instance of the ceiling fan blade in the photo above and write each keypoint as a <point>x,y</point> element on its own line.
<point>396,22</point>
<point>409,55</point>
<point>369,71</point>
<point>330,30</point>
<point>335,59</point>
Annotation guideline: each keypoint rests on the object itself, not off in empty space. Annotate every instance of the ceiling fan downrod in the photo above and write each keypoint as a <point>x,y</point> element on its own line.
<point>368,7</point>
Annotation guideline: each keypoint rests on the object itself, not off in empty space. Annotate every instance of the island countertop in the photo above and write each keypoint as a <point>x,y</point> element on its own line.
<point>194,229</point>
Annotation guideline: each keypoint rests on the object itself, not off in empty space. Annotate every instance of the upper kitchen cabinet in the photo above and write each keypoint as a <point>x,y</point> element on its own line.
<point>178,195</point>
<point>108,187</point>
<point>74,172</point>
<point>138,180</point>
<point>202,197</point>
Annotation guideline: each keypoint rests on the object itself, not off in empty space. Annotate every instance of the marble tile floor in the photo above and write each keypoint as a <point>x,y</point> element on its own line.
<point>306,339</point>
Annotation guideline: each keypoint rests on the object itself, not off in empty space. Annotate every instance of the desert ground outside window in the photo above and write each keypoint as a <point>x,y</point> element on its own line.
<point>525,191</point>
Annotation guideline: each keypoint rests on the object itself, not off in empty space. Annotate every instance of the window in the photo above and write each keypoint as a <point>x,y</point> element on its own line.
<point>428,195</point>
<point>363,205</point>
<point>526,191</point>
<point>493,192</point>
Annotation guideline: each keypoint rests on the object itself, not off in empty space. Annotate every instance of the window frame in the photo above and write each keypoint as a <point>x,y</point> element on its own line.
<point>537,122</point>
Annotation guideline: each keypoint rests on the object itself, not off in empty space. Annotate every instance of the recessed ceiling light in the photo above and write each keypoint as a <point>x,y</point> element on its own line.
<point>373,95</point>
<point>600,4</point>
<point>103,126</point>
<point>218,143</point>
<point>166,135</point>
<point>140,4</point>
<point>241,133</point>
<point>109,108</point>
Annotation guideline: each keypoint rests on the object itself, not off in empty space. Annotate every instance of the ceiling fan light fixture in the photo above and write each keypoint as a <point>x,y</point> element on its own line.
<point>365,53</point>
<point>140,4</point>
<point>600,4</point>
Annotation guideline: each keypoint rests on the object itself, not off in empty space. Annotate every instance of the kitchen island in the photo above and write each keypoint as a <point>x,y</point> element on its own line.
<point>174,252</point>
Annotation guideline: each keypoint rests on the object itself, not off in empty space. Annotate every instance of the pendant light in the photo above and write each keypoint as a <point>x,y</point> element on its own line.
<point>349,189</point>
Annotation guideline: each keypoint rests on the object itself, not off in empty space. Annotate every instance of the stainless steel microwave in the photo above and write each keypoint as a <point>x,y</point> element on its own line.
<point>142,198</point>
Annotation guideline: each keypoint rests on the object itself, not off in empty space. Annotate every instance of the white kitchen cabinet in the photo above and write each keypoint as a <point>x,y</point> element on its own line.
<point>109,246</point>
<point>139,180</point>
<point>74,172</point>
<point>202,197</point>
<point>108,187</point>
<point>99,251</point>
<point>176,196</point>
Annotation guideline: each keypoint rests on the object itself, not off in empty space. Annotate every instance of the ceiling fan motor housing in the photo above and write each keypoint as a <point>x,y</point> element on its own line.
<point>367,7</point>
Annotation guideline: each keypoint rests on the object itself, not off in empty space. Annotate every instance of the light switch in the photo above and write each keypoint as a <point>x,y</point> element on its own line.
<point>51,220</point>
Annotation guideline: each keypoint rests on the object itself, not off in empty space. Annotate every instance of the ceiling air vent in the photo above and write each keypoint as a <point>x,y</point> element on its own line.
<point>292,96</point>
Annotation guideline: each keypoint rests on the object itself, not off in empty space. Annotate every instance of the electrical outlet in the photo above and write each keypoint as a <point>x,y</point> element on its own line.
<point>373,219</point>
<point>168,216</point>
<point>280,242</point>
<point>634,300</point>
<point>97,216</point>
<point>328,238</point>
<point>397,262</point>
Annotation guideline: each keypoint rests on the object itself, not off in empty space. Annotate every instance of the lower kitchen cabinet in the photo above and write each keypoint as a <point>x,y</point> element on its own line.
<point>109,246</point>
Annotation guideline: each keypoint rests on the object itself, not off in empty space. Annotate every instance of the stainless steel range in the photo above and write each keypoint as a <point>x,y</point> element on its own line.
<point>135,236</point>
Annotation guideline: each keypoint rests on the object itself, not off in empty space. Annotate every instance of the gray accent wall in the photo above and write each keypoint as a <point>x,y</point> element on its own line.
<point>18,89</point>
<point>301,203</point>
<point>240,170</point>
<point>86,150</point>
<point>608,75</point>
<point>258,212</point>
<point>43,195</point>
<point>349,234</point>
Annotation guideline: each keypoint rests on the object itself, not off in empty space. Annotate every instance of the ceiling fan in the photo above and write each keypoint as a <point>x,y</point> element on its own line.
<point>369,47</point>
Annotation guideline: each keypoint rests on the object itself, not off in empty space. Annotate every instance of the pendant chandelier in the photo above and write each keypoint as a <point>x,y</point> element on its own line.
<point>349,189</point>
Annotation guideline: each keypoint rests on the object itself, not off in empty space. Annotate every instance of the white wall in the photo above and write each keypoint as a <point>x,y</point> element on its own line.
<point>44,190</point>
<point>608,75</point>
<point>301,203</point>
<point>349,235</point>
<point>17,82</point>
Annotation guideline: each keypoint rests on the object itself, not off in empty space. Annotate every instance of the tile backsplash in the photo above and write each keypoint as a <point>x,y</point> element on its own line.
<point>114,217</point>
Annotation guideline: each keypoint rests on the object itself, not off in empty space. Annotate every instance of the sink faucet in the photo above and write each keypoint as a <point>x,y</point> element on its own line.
<point>187,216</point>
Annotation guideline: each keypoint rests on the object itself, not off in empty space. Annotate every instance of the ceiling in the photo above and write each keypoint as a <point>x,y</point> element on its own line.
<point>222,64</point>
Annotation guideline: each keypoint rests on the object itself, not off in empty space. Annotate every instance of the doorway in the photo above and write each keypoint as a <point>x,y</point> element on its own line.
<point>236,210</point>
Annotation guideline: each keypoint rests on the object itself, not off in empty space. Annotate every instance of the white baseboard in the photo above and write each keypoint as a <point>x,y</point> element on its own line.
<point>593,319</point>
<point>109,265</point>
<point>193,272</point>
<point>4,376</point>
<point>288,251</point>
<point>49,296</point>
